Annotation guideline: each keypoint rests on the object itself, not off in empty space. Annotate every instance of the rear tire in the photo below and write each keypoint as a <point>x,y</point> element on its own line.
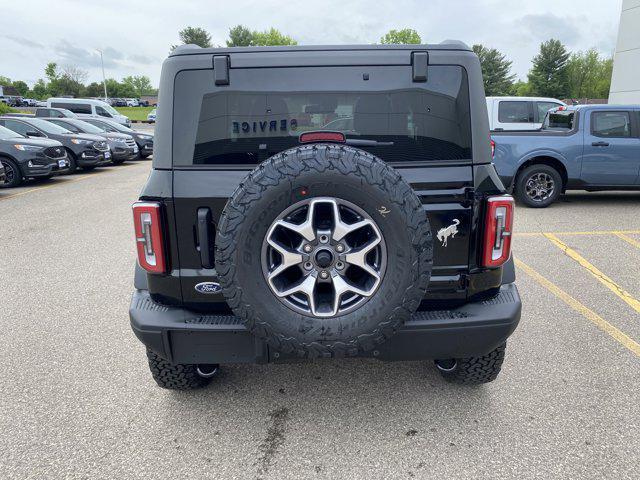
<point>473,370</point>
<point>175,376</point>
<point>13,174</point>
<point>538,186</point>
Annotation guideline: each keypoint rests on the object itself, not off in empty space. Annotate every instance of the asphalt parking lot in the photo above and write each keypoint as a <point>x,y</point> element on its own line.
<point>77,399</point>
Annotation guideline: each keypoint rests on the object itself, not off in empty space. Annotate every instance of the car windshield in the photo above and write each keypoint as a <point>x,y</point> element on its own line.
<point>48,127</point>
<point>88,127</point>
<point>6,134</point>
<point>559,120</point>
<point>110,109</point>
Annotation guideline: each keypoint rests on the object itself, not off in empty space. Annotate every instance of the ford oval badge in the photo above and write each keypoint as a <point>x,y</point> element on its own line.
<point>208,287</point>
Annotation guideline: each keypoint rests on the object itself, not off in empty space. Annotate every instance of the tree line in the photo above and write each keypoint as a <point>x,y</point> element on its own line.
<point>555,72</point>
<point>68,80</point>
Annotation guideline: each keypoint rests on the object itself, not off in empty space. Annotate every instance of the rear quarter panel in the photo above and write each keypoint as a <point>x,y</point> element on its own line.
<point>514,150</point>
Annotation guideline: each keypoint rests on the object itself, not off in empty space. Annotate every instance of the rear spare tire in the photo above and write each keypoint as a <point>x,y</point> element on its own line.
<point>324,250</point>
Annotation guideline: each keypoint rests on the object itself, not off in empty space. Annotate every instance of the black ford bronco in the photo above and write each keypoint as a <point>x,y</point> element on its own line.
<point>312,202</point>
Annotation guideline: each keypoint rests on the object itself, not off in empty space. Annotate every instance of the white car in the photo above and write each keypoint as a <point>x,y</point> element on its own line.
<point>519,113</point>
<point>151,118</point>
<point>89,107</point>
<point>132,102</point>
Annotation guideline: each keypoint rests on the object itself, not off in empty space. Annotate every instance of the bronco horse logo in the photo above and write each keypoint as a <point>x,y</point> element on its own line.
<point>446,232</point>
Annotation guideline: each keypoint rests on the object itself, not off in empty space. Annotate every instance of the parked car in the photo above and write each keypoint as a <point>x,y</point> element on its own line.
<point>86,107</point>
<point>151,117</point>
<point>143,103</point>
<point>40,103</point>
<point>54,113</point>
<point>587,147</point>
<point>132,102</point>
<point>143,139</point>
<point>120,102</point>
<point>29,102</point>
<point>84,150</point>
<point>123,147</point>
<point>518,113</point>
<point>323,244</point>
<point>22,158</point>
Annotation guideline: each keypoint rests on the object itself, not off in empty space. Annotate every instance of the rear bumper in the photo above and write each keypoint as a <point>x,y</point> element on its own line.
<point>182,336</point>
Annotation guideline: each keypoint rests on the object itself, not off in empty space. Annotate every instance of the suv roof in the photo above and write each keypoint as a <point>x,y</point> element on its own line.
<point>191,49</point>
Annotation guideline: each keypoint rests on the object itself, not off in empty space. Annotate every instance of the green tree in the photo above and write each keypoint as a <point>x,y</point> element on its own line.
<point>521,89</point>
<point>21,87</point>
<point>496,71</point>
<point>51,71</point>
<point>404,36</point>
<point>5,81</point>
<point>194,35</point>
<point>239,36</point>
<point>40,90</point>
<point>549,75</point>
<point>271,37</point>
<point>95,89</point>
<point>140,83</point>
<point>589,75</point>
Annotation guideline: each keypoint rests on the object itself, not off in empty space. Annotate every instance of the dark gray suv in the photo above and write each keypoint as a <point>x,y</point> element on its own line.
<point>84,150</point>
<point>24,158</point>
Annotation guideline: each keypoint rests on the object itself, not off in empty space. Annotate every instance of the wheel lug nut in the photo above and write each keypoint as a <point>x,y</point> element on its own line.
<point>324,238</point>
<point>324,274</point>
<point>339,265</point>
<point>308,266</point>
<point>339,248</point>
<point>307,248</point>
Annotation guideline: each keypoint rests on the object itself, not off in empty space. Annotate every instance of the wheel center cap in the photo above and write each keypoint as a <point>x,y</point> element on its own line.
<point>324,258</point>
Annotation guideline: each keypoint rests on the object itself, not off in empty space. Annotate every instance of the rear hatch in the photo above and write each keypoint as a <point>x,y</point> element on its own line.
<point>252,106</point>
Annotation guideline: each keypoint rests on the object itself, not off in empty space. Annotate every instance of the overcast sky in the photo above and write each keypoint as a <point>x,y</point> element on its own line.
<point>135,35</point>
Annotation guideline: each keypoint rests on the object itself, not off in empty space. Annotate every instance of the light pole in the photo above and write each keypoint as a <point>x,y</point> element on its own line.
<point>104,80</point>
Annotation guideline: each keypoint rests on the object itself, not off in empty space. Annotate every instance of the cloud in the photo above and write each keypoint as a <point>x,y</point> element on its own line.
<point>544,26</point>
<point>25,42</point>
<point>143,59</point>
<point>82,57</point>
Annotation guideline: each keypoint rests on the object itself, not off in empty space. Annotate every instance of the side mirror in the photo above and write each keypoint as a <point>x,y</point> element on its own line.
<point>34,133</point>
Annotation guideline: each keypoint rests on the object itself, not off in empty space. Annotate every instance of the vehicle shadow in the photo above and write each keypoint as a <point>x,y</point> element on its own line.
<point>600,198</point>
<point>405,397</point>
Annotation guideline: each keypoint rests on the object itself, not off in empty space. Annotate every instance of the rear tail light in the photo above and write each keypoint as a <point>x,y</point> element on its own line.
<point>493,149</point>
<point>310,137</point>
<point>498,231</point>
<point>149,241</point>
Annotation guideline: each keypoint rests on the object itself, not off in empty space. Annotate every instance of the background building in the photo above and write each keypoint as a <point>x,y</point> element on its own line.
<point>625,82</point>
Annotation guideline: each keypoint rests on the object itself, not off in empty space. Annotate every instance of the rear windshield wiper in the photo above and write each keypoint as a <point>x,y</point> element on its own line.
<point>361,142</point>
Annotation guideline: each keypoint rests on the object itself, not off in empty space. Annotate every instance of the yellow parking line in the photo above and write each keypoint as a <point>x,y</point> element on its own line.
<point>595,232</point>
<point>586,312</point>
<point>601,277</point>
<point>629,240</point>
<point>64,182</point>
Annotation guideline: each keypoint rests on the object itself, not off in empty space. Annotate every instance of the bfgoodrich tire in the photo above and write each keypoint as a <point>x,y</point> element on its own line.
<point>175,376</point>
<point>473,370</point>
<point>323,177</point>
<point>538,186</point>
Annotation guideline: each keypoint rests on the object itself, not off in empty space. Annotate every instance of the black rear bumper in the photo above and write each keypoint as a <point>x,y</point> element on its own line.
<point>182,336</point>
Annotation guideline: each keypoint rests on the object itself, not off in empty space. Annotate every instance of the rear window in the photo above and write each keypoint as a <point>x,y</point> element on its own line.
<point>263,112</point>
<point>73,107</point>
<point>611,124</point>
<point>514,112</point>
<point>560,120</point>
